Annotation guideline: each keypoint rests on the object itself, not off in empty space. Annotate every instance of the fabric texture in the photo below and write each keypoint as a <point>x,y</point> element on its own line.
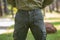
<point>32,19</point>
<point>30,4</point>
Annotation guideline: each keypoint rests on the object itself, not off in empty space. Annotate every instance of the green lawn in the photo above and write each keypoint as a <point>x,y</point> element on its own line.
<point>52,18</point>
<point>55,36</point>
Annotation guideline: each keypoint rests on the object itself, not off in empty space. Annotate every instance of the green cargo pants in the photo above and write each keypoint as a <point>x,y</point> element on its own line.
<point>32,19</point>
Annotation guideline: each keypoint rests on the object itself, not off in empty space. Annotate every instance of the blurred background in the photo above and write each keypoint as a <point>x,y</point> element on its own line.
<point>51,15</point>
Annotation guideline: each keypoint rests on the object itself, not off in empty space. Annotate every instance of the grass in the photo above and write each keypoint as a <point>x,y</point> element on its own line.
<point>11,27</point>
<point>6,37</point>
<point>52,18</point>
<point>55,36</point>
<point>56,23</point>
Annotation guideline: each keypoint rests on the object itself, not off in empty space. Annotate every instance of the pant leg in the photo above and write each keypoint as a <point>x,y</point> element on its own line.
<point>20,28</point>
<point>37,26</point>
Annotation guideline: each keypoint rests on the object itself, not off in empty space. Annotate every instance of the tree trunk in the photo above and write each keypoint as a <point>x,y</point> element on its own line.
<point>1,8</point>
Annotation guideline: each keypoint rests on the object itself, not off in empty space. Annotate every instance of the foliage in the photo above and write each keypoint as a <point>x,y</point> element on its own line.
<point>12,2</point>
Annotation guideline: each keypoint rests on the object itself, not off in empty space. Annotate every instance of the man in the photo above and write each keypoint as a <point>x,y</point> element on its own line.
<point>29,15</point>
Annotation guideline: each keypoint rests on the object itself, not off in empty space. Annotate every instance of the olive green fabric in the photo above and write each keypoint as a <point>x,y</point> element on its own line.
<point>30,4</point>
<point>46,3</point>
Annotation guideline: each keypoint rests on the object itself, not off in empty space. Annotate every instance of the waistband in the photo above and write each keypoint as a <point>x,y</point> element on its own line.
<point>29,9</point>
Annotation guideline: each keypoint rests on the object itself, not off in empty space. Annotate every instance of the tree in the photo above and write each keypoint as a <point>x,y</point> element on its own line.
<point>5,6</point>
<point>1,8</point>
<point>57,5</point>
